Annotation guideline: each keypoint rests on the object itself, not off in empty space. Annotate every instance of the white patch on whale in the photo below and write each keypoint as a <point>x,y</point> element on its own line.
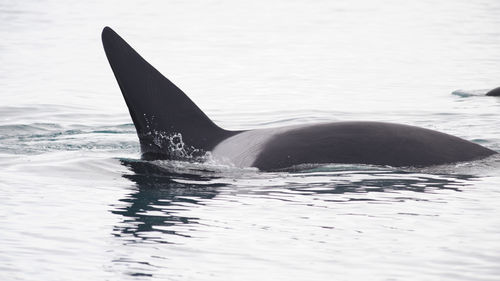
<point>242,149</point>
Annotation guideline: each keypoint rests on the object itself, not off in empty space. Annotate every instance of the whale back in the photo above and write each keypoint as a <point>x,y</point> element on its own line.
<point>168,123</point>
<point>364,142</point>
<point>494,92</point>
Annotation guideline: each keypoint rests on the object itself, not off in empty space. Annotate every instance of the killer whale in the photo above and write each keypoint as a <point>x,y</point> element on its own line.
<point>170,126</point>
<point>494,92</point>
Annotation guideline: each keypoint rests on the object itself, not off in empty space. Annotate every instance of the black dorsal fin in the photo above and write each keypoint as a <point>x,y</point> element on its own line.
<point>160,111</point>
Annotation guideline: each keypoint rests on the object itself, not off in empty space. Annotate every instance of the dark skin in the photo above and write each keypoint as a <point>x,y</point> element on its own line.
<point>366,143</point>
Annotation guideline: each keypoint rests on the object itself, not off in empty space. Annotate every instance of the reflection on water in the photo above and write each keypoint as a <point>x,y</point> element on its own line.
<point>204,222</point>
<point>154,210</point>
<point>154,206</point>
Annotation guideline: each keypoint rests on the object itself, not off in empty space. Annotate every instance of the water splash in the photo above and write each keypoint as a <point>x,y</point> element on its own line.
<point>470,93</point>
<point>175,148</point>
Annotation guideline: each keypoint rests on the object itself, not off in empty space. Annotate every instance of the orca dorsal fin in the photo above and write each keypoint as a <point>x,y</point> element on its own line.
<point>164,117</point>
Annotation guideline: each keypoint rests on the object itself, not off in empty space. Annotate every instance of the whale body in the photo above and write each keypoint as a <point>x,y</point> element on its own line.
<point>170,126</point>
<point>494,92</point>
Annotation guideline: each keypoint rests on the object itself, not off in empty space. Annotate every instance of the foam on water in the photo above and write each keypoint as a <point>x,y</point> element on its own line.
<point>470,93</point>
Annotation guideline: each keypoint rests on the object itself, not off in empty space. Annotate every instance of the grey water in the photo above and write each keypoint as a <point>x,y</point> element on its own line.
<point>77,203</point>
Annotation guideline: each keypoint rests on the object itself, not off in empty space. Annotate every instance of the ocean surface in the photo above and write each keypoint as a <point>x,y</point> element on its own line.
<point>77,203</point>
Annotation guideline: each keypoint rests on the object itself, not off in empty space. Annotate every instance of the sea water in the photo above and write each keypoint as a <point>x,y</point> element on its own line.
<point>77,203</point>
